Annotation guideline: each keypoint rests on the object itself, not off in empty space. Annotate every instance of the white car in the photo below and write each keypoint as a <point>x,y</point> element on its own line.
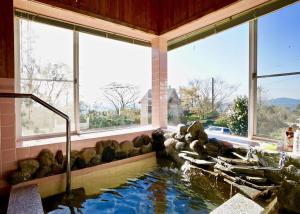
<point>218,130</point>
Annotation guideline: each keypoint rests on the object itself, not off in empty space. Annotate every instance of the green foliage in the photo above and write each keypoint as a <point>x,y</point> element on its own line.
<point>103,119</point>
<point>222,121</point>
<point>238,116</point>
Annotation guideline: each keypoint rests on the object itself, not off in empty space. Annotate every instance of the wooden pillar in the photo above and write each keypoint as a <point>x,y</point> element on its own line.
<point>6,39</point>
<point>159,83</point>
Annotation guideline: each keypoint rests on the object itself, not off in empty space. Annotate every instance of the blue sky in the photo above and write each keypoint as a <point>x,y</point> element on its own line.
<point>226,55</point>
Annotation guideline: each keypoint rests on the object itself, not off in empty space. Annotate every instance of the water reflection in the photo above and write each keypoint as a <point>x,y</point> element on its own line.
<point>163,190</point>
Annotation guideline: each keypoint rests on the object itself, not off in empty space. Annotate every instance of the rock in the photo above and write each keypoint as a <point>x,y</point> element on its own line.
<point>73,158</point>
<point>141,140</point>
<point>197,146</point>
<point>212,149</point>
<point>108,154</point>
<point>18,177</point>
<point>79,164</point>
<point>215,148</point>
<point>107,143</point>
<point>46,158</point>
<point>180,146</point>
<point>169,135</point>
<point>43,172</point>
<point>120,155</point>
<point>288,196</point>
<point>158,140</point>
<point>203,138</point>
<point>57,168</point>
<point>188,138</point>
<point>180,137</point>
<point>146,148</point>
<point>29,166</point>
<point>292,173</point>
<point>135,152</point>
<point>96,160</point>
<point>182,129</point>
<point>87,154</point>
<point>127,147</point>
<point>195,129</point>
<point>59,157</point>
<point>170,145</point>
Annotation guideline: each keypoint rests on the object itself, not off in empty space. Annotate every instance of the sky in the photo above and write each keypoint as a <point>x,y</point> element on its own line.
<point>224,55</point>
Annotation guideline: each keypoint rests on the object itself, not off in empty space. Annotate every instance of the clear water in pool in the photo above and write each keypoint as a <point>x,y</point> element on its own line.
<point>163,190</point>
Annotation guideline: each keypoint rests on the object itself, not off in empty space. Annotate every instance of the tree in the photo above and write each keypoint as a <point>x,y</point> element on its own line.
<point>238,116</point>
<point>120,95</point>
<point>197,97</point>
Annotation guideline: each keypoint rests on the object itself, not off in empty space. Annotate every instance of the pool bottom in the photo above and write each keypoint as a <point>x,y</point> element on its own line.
<point>165,189</point>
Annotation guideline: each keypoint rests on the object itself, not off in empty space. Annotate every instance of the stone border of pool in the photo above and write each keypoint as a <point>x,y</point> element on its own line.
<point>55,184</point>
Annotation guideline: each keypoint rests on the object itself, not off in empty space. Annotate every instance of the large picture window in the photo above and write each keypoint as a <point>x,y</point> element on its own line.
<point>278,56</point>
<point>46,70</point>
<point>208,81</point>
<point>79,74</point>
<point>115,82</point>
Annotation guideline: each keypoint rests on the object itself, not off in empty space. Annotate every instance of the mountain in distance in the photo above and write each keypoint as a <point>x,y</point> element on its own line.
<point>291,103</point>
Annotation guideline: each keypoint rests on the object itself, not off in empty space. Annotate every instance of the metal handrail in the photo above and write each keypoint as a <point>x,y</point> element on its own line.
<point>58,112</point>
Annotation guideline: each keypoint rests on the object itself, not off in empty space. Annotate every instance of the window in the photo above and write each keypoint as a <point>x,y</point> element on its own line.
<point>208,78</point>
<point>114,85</point>
<point>46,70</point>
<point>113,88</point>
<point>278,56</point>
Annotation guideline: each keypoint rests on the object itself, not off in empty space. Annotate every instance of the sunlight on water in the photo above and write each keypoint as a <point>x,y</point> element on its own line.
<point>163,190</point>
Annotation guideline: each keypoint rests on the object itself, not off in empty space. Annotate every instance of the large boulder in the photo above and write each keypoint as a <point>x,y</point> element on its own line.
<point>59,157</point>
<point>87,154</point>
<point>182,129</point>
<point>29,166</point>
<point>170,145</point>
<point>197,146</point>
<point>57,168</point>
<point>46,158</point>
<point>288,196</point>
<point>108,154</point>
<point>146,148</point>
<point>43,171</point>
<point>127,147</point>
<point>107,143</point>
<point>141,140</point>
<point>18,177</point>
<point>195,129</point>
<point>180,146</point>
<point>96,160</point>
<point>158,140</point>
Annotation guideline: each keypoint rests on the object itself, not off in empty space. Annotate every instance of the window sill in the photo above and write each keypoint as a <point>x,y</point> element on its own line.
<point>82,137</point>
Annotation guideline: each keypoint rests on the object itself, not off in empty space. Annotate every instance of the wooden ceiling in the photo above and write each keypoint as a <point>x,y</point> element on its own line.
<point>152,16</point>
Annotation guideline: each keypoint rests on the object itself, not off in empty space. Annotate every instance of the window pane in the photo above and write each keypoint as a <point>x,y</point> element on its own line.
<point>46,70</point>
<point>216,67</point>
<point>279,41</point>
<point>115,83</point>
<point>278,105</point>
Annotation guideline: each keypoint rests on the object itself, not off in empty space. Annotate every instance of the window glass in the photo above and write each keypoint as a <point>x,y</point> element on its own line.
<point>278,105</point>
<point>46,70</point>
<point>278,99</point>
<point>115,83</point>
<point>208,80</point>
<point>279,41</point>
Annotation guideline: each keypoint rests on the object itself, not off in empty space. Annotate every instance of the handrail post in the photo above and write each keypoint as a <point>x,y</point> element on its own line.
<point>68,153</point>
